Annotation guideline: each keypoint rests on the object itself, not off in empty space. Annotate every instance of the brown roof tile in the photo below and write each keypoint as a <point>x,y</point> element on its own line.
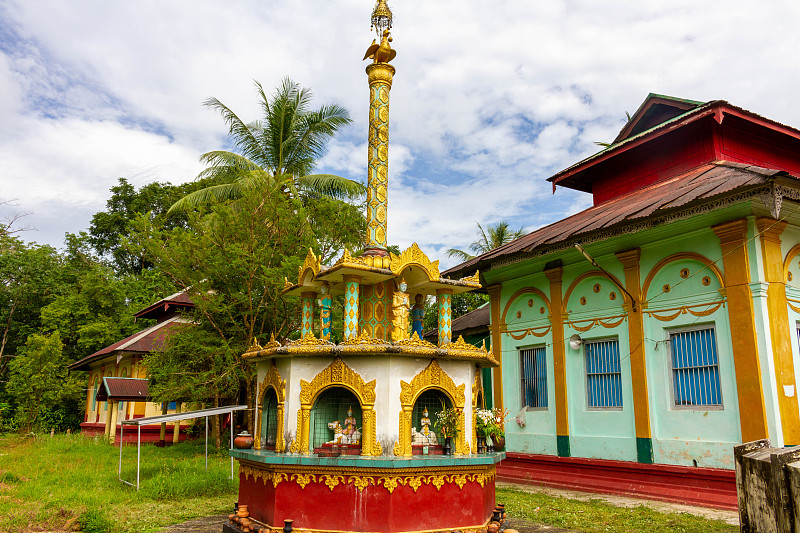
<point>690,188</point>
<point>123,389</point>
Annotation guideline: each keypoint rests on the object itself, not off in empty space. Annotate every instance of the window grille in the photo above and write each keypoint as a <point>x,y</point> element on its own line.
<point>332,405</point>
<point>603,374</point>
<point>695,368</point>
<point>432,400</point>
<point>269,421</point>
<point>534,377</point>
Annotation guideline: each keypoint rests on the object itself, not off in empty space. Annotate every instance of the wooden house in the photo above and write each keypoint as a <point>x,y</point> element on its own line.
<point>117,378</point>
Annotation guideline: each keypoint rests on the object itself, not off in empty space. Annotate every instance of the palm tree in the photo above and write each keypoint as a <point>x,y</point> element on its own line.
<point>495,235</point>
<point>282,147</point>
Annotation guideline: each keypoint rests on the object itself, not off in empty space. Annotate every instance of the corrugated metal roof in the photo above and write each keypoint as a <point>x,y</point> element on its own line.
<point>123,389</point>
<point>690,188</point>
<point>179,300</point>
<point>147,340</point>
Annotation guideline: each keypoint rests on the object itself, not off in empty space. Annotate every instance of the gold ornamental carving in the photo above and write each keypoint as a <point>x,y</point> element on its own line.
<point>474,279</point>
<point>432,377</point>
<point>416,257</point>
<point>272,380</point>
<point>312,263</point>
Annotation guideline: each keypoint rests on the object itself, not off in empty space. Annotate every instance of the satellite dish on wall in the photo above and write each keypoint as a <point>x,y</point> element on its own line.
<point>575,342</point>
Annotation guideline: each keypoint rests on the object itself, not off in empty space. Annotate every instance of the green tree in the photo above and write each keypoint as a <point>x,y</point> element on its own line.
<point>233,261</point>
<point>494,236</point>
<point>280,148</point>
<point>109,228</point>
<point>46,395</point>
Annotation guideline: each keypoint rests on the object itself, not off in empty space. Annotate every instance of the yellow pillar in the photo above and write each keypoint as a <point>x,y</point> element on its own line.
<point>779,327</point>
<point>752,410</point>
<point>176,429</point>
<point>497,344</point>
<point>113,408</point>
<point>553,275</point>
<point>641,402</point>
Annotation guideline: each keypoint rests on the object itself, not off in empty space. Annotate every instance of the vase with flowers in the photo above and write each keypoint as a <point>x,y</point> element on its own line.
<point>446,424</point>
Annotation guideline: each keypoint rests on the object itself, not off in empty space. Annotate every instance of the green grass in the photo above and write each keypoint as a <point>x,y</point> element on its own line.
<point>598,516</point>
<point>50,483</point>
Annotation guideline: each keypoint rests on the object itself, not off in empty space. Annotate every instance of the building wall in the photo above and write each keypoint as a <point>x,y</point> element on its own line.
<point>683,287</point>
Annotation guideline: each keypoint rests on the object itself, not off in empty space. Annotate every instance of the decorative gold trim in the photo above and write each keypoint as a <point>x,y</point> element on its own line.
<point>477,387</point>
<point>415,341</point>
<point>349,260</point>
<point>272,342</point>
<point>272,379</point>
<point>606,321</point>
<point>362,339</point>
<point>711,307</point>
<point>432,377</point>
<point>413,256</point>
<point>529,331</point>
<point>517,295</point>
<point>312,263</point>
<point>338,374</point>
<point>474,279</point>
<point>362,478</point>
<point>309,340</point>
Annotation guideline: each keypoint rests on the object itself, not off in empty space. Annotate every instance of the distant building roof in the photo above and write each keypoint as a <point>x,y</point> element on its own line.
<point>475,322</point>
<point>123,389</point>
<point>165,306</point>
<point>146,340</point>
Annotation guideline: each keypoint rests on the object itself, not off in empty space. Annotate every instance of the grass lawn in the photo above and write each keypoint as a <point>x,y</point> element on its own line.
<point>598,516</point>
<point>47,484</point>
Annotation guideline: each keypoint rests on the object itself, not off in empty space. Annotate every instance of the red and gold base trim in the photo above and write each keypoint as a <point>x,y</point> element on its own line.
<point>389,500</point>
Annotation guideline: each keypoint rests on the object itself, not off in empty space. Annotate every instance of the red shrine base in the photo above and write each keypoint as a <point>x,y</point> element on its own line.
<point>364,499</point>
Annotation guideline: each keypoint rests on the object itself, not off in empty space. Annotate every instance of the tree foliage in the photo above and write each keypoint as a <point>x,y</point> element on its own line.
<point>494,236</point>
<point>282,147</point>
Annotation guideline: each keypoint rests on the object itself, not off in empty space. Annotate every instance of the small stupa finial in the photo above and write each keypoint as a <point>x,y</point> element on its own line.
<point>381,17</point>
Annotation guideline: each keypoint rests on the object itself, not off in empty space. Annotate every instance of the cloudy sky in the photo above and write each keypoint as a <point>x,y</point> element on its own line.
<point>489,99</point>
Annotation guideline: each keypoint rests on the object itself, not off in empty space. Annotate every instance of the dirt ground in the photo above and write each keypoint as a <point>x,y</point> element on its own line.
<point>213,524</point>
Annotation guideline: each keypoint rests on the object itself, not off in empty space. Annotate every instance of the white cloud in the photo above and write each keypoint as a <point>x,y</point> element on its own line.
<point>487,102</point>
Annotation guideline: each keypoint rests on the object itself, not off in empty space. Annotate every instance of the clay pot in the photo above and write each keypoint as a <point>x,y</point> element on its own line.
<point>243,441</point>
<point>246,523</point>
<point>242,511</point>
<point>499,443</point>
<point>493,527</point>
<point>232,517</point>
<point>287,526</point>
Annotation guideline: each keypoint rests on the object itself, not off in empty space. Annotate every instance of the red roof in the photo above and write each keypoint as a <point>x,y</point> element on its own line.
<point>147,340</point>
<point>172,303</point>
<point>691,188</point>
<point>123,389</point>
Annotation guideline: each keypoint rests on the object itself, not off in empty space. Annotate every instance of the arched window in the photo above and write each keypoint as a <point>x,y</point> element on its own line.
<point>269,420</point>
<point>336,404</point>
<point>432,400</point>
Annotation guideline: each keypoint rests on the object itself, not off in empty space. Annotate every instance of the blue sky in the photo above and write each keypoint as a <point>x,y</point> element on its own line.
<point>489,99</point>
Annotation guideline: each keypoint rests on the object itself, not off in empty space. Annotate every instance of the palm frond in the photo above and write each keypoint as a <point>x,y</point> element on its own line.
<point>459,254</point>
<point>331,185</point>
<point>208,195</point>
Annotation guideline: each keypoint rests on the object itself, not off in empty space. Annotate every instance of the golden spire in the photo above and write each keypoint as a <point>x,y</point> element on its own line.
<point>381,17</point>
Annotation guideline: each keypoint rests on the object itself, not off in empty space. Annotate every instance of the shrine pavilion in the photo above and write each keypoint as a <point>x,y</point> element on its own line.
<point>346,435</point>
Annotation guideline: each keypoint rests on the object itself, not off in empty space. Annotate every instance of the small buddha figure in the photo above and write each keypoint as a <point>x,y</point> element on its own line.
<point>425,422</point>
<point>417,315</point>
<point>349,424</point>
<point>400,309</point>
<point>425,437</point>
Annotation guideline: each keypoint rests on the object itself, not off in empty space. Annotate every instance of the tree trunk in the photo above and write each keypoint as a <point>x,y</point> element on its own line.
<point>217,423</point>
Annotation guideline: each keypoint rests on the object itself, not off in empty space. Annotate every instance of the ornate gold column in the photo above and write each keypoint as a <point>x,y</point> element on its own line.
<point>779,328</point>
<point>641,402</point>
<point>380,83</point>
<point>752,410</point>
<point>553,274</point>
